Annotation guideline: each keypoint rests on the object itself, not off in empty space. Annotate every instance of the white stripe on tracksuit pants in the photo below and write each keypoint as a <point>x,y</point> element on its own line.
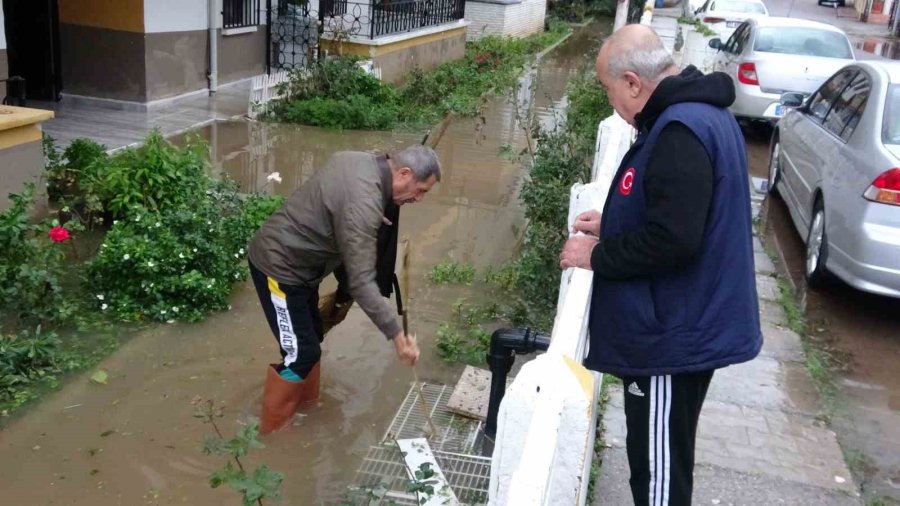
<point>661,415</point>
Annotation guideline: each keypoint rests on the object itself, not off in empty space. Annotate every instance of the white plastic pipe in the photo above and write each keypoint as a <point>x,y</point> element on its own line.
<point>213,47</point>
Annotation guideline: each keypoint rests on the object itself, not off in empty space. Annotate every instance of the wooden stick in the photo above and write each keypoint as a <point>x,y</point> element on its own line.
<point>405,284</point>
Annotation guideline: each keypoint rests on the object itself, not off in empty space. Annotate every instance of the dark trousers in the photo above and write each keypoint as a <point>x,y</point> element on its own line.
<point>293,316</point>
<point>661,414</point>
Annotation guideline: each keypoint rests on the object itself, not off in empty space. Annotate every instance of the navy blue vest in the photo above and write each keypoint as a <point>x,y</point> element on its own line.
<point>695,318</point>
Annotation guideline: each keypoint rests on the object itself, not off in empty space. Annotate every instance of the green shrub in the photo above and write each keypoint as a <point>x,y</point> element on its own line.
<point>154,176</point>
<point>452,272</point>
<point>180,262</point>
<point>562,158</point>
<point>337,93</point>
<point>31,269</point>
<point>26,358</point>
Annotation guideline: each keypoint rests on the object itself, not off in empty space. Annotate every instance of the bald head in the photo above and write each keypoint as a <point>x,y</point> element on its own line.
<point>635,48</point>
<point>630,65</point>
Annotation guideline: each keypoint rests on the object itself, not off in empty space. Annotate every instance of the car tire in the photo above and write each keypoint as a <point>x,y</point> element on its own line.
<point>774,166</point>
<point>816,273</point>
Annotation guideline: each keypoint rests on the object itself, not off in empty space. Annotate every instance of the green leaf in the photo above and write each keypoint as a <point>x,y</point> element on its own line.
<point>100,377</point>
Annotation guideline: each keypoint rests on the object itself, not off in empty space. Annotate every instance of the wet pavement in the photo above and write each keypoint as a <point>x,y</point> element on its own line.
<point>135,440</point>
<point>863,332</point>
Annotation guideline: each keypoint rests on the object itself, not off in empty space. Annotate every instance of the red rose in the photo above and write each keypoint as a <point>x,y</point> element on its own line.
<point>59,234</point>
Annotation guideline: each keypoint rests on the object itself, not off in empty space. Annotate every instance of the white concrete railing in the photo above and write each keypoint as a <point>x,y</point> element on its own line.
<point>547,420</point>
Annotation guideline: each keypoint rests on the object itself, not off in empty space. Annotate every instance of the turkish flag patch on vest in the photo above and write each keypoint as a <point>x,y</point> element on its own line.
<point>626,182</point>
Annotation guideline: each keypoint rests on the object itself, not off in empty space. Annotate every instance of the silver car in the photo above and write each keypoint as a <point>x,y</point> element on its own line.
<point>769,56</point>
<point>834,160</point>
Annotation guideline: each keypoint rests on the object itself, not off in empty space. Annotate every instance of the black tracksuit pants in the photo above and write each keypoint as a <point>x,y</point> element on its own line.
<point>293,315</point>
<point>661,414</point>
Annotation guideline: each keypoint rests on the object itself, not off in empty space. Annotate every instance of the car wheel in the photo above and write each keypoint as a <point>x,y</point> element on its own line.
<point>774,166</point>
<point>817,248</point>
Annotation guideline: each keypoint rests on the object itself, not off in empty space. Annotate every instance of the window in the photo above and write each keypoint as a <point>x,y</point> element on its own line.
<point>891,127</point>
<point>240,13</point>
<point>736,41</point>
<point>803,41</point>
<point>821,101</point>
<point>848,107</point>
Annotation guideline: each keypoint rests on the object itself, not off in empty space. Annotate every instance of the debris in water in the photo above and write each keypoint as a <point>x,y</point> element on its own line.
<point>840,479</point>
<point>72,406</point>
<point>107,433</point>
<point>100,377</point>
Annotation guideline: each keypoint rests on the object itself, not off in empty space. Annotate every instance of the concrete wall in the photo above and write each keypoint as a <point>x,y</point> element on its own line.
<point>100,62</point>
<point>399,55</point>
<point>514,18</point>
<point>19,165</point>
<point>147,50</point>
<point>102,46</point>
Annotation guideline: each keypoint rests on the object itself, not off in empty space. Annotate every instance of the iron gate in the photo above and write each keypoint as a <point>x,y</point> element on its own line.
<point>293,35</point>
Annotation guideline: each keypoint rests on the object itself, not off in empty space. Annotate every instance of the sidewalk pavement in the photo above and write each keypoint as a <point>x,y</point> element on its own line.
<point>759,441</point>
<point>116,128</point>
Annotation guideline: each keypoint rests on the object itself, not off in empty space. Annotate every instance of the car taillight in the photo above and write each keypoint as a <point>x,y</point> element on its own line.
<point>747,73</point>
<point>710,19</point>
<point>885,189</point>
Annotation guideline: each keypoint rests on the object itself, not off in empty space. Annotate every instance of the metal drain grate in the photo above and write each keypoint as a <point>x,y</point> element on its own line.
<point>468,475</point>
<point>456,434</point>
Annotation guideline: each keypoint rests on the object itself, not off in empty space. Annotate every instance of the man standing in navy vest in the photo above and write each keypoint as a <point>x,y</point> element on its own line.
<point>674,288</point>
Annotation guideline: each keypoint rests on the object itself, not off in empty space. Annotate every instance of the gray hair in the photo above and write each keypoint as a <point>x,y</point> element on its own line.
<point>647,58</point>
<point>421,160</point>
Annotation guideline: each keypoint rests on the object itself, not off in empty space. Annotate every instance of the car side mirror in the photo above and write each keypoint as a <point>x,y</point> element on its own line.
<point>792,99</point>
<point>716,43</point>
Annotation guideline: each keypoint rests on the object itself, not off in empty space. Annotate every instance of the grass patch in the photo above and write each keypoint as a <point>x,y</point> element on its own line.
<point>450,272</point>
<point>337,93</point>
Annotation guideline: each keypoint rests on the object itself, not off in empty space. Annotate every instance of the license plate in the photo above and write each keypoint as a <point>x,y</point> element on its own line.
<point>778,110</point>
<point>731,24</point>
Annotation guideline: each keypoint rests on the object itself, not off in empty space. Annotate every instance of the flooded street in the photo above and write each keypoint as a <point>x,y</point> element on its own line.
<point>135,440</point>
<point>863,332</point>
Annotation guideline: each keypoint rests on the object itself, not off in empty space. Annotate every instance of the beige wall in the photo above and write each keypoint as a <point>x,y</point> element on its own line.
<point>397,60</point>
<point>19,165</point>
<point>124,15</point>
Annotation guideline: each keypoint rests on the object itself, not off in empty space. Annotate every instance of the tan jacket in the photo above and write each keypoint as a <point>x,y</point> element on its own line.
<point>332,219</point>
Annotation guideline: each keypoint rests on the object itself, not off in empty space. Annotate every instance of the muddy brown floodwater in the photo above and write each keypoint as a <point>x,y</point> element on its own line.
<point>863,332</point>
<point>135,441</point>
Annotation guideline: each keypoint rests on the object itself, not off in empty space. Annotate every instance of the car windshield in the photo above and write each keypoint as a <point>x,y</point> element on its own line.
<point>891,129</point>
<point>802,41</point>
<point>737,6</point>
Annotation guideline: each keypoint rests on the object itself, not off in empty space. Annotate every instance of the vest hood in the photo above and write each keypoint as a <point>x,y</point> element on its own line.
<point>690,85</point>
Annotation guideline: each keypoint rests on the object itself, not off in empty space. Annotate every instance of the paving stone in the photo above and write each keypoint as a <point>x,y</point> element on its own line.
<point>763,263</point>
<point>767,288</point>
<point>781,343</point>
<point>715,485</point>
<point>758,245</point>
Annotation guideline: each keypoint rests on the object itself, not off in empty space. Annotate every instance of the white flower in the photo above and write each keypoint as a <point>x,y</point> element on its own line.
<point>158,224</point>
<point>209,223</point>
<point>210,230</point>
<point>175,308</point>
<point>100,297</point>
<point>162,311</point>
<point>137,218</point>
<point>103,307</point>
<point>209,285</point>
<point>181,255</point>
<point>126,257</point>
<point>275,176</point>
<point>236,255</point>
<point>150,264</point>
<point>195,250</point>
<point>241,251</point>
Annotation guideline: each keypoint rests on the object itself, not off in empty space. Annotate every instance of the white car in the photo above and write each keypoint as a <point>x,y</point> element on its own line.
<point>767,57</point>
<point>724,16</point>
